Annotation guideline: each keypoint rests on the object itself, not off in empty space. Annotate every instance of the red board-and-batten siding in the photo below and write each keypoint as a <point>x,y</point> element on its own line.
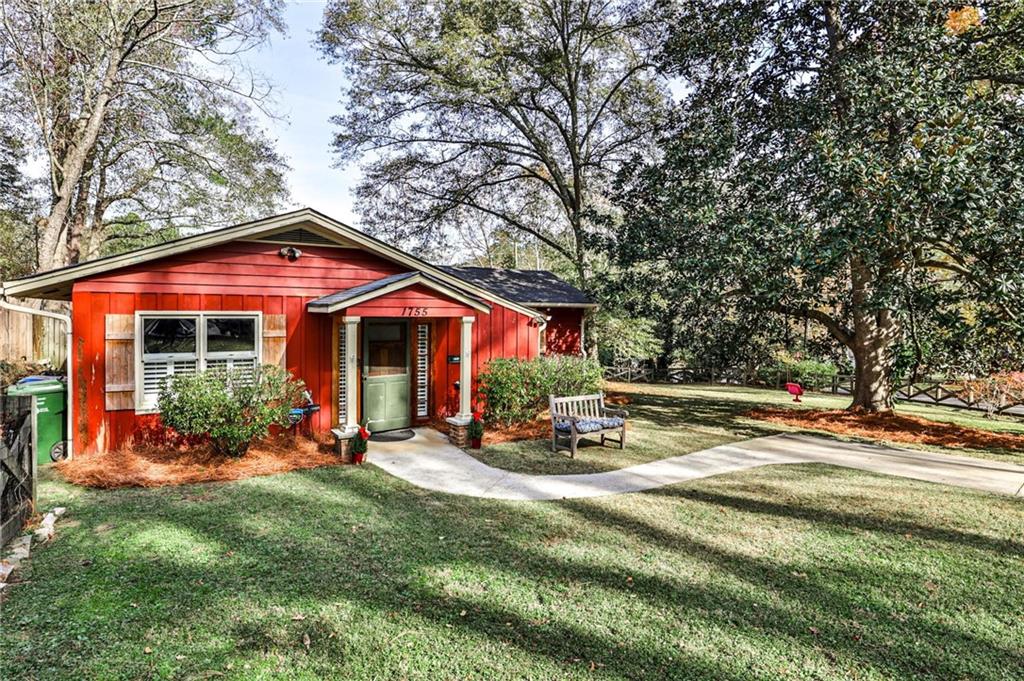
<point>251,276</point>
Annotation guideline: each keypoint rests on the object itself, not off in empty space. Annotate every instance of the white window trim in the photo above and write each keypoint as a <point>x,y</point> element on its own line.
<point>201,354</point>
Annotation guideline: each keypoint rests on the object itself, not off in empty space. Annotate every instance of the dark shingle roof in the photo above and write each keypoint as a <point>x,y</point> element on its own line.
<point>346,294</point>
<point>356,291</point>
<point>527,287</point>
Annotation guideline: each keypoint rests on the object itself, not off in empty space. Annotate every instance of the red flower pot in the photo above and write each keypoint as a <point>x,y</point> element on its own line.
<point>475,442</point>
<point>358,457</point>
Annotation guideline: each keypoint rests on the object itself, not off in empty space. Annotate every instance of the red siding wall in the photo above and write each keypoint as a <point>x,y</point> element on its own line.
<point>563,333</point>
<point>251,276</point>
<point>502,333</point>
<point>413,301</point>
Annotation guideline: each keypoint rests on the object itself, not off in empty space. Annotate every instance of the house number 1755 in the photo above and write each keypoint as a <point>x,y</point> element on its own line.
<point>414,312</point>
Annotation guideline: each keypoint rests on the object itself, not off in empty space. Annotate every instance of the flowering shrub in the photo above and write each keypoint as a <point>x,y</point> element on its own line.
<point>359,441</point>
<point>475,431</point>
<point>997,391</point>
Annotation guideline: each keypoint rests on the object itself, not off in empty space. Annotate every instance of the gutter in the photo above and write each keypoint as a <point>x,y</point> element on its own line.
<point>542,327</point>
<point>66,320</point>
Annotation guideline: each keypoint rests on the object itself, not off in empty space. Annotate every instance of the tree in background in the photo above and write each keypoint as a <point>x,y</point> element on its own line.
<point>16,208</point>
<point>513,113</point>
<point>858,164</point>
<point>139,105</point>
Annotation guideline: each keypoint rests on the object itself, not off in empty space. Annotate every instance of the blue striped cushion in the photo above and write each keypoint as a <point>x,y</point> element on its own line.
<point>590,425</point>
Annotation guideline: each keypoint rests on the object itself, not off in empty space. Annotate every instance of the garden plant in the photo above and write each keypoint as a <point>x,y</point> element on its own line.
<point>233,408</point>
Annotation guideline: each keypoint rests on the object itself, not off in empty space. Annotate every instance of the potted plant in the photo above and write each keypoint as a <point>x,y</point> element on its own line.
<point>475,431</point>
<point>359,444</point>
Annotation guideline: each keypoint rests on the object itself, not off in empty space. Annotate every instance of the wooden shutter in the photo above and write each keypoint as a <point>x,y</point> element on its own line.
<point>119,340</point>
<point>275,337</point>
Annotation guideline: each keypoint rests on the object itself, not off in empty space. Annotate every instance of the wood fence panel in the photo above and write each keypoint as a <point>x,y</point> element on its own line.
<point>17,465</point>
<point>25,336</point>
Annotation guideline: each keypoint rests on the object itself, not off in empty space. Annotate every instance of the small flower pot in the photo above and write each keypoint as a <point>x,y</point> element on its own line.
<point>474,443</point>
<point>358,457</point>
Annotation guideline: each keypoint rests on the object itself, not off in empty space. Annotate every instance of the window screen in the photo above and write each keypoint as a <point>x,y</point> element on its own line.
<point>169,336</point>
<point>230,334</point>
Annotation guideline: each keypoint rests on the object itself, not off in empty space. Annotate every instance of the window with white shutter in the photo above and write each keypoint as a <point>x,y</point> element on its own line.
<point>230,343</point>
<point>171,343</point>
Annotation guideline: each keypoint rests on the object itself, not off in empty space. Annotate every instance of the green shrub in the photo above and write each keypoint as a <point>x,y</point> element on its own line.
<point>798,370</point>
<point>622,337</point>
<point>233,408</point>
<point>515,390</point>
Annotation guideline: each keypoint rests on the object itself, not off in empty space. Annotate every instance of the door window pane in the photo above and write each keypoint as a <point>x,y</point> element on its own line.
<point>230,334</point>
<point>387,354</point>
<point>169,335</point>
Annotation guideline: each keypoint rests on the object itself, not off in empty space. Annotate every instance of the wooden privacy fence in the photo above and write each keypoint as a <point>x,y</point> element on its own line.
<point>17,471</point>
<point>933,390</point>
<point>31,337</point>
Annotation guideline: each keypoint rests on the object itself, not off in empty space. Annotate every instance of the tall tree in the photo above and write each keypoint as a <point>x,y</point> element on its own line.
<point>845,161</point>
<point>513,112</point>
<point>107,84</point>
<point>17,256</point>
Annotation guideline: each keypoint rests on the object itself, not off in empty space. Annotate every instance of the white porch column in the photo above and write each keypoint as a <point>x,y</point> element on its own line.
<point>352,375</point>
<point>466,368</point>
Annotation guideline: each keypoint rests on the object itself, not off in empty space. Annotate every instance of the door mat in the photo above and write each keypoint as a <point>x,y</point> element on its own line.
<point>393,436</point>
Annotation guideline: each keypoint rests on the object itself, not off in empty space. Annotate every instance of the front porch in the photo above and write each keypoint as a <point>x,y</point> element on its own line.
<point>402,353</point>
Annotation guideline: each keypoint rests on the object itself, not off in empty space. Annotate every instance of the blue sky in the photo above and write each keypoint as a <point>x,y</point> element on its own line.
<point>307,94</point>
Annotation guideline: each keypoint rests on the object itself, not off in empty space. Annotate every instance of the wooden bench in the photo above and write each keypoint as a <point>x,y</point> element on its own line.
<point>577,416</point>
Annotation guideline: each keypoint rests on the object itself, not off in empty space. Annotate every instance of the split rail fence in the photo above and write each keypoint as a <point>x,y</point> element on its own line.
<point>932,390</point>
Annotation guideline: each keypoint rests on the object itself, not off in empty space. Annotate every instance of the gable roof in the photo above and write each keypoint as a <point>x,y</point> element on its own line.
<point>534,288</point>
<point>375,289</point>
<point>56,284</point>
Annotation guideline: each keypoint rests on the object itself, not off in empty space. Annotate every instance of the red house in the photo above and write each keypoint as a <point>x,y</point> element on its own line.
<point>376,333</point>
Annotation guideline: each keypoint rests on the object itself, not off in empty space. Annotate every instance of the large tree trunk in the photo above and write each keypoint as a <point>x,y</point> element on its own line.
<point>872,343</point>
<point>53,239</point>
<point>872,376</point>
<point>79,221</point>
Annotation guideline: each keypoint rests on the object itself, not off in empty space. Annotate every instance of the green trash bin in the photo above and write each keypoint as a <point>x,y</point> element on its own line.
<point>51,433</point>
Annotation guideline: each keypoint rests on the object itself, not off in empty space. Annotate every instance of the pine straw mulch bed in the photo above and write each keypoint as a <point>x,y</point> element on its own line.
<point>891,427</point>
<point>155,465</point>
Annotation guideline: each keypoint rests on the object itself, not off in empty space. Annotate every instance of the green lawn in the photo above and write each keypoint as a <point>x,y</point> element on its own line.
<point>668,420</point>
<point>799,572</point>
<point>785,572</point>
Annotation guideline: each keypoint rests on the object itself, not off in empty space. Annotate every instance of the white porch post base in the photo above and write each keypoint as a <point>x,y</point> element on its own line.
<point>352,376</point>
<point>466,369</point>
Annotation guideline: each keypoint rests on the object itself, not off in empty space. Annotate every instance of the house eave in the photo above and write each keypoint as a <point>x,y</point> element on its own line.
<point>419,278</point>
<point>56,284</point>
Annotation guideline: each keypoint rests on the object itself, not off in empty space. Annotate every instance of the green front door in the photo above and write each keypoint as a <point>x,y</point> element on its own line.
<point>386,375</point>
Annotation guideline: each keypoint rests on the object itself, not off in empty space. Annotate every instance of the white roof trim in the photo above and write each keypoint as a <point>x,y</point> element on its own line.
<point>33,286</point>
<point>418,278</point>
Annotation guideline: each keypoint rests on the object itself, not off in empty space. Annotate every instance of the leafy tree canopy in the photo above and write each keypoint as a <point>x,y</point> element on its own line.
<point>138,105</point>
<point>859,163</point>
<point>506,114</point>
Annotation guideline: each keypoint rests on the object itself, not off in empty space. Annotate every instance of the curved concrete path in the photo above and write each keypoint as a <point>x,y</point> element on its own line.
<point>428,460</point>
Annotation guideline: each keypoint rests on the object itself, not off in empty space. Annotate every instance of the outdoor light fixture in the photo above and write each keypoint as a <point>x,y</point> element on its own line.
<point>290,252</point>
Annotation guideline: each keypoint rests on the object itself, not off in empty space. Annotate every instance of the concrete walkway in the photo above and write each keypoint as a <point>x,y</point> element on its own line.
<point>429,461</point>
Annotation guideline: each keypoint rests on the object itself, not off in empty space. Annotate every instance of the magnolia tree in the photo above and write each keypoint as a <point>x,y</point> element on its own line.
<point>856,164</point>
